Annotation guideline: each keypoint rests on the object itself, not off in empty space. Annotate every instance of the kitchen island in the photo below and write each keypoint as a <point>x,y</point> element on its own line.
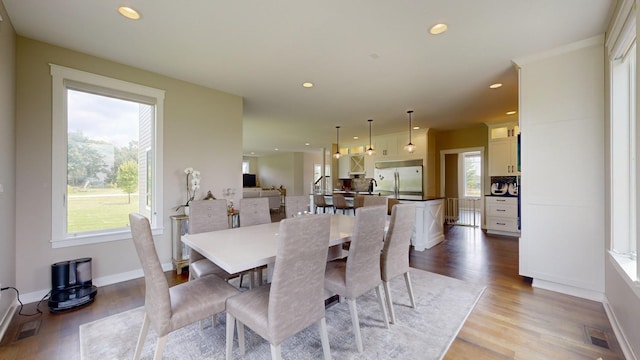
<point>429,228</point>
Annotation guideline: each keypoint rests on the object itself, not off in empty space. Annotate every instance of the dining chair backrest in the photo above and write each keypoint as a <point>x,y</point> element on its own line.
<point>254,211</point>
<point>156,299</point>
<point>364,250</point>
<point>297,286</point>
<point>208,215</point>
<point>374,200</point>
<point>296,204</point>
<point>395,252</point>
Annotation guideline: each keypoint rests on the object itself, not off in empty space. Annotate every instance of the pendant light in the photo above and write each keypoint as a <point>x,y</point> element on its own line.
<point>410,148</point>
<point>370,150</point>
<point>337,153</point>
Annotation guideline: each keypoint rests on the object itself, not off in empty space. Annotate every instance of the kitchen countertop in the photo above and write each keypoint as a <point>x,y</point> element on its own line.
<point>353,194</point>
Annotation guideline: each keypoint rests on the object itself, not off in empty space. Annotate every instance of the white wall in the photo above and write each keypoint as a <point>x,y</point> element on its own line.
<point>7,164</point>
<point>202,129</point>
<point>282,169</point>
<point>562,146</point>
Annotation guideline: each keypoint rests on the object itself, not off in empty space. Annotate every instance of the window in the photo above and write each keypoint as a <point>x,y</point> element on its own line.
<point>623,139</point>
<point>471,174</point>
<point>106,157</point>
<point>245,167</point>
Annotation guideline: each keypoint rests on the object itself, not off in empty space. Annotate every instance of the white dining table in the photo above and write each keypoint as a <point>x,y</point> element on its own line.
<point>245,248</point>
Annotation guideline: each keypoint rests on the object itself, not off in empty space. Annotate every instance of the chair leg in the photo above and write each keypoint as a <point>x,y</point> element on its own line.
<point>407,280</point>
<point>382,305</point>
<point>275,352</point>
<point>240,336</point>
<point>162,340</point>
<point>356,323</point>
<point>231,322</point>
<point>324,337</point>
<point>387,295</point>
<point>142,336</point>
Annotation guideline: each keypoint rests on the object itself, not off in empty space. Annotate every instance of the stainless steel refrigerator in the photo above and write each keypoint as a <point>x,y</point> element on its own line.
<point>399,179</point>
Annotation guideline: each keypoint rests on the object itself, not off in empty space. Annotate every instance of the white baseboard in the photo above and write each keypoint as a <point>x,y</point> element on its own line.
<point>36,296</point>
<point>568,290</point>
<point>5,319</point>
<point>627,350</point>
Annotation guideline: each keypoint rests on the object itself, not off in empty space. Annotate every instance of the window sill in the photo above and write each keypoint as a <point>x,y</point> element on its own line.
<point>626,267</point>
<point>97,238</point>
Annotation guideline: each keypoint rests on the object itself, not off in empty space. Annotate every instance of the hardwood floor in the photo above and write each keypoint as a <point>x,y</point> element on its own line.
<point>512,320</point>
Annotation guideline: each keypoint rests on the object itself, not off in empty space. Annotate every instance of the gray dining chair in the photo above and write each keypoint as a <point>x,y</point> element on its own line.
<point>320,202</point>
<point>254,211</point>
<point>205,216</point>
<point>168,309</point>
<point>353,277</point>
<point>340,203</point>
<point>295,298</point>
<point>394,260</point>
<point>375,200</point>
<point>296,204</point>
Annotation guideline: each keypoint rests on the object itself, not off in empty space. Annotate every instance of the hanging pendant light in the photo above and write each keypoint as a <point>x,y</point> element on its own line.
<point>410,148</point>
<point>337,153</point>
<point>370,150</point>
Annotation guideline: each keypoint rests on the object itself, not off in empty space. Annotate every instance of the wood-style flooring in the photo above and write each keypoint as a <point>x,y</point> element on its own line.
<point>512,320</point>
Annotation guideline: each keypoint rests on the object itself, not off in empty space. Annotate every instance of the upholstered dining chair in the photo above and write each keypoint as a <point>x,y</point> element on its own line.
<point>168,309</point>
<point>294,300</point>
<point>296,204</point>
<point>394,260</point>
<point>340,203</point>
<point>375,200</point>
<point>254,211</point>
<point>204,216</point>
<point>320,202</point>
<point>353,277</point>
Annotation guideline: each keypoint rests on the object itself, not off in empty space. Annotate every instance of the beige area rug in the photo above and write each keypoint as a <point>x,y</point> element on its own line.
<point>443,305</point>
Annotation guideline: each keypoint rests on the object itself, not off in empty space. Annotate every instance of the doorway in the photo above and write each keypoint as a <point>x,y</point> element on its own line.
<point>461,184</point>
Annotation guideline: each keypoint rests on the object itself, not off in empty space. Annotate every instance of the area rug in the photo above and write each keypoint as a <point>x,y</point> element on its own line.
<point>443,304</point>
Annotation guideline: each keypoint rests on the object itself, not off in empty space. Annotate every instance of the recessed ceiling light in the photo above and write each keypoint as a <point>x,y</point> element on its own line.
<point>510,112</point>
<point>253,153</point>
<point>495,86</point>
<point>438,29</point>
<point>307,144</point>
<point>276,149</point>
<point>307,84</point>
<point>416,128</point>
<point>129,13</point>
<point>355,138</point>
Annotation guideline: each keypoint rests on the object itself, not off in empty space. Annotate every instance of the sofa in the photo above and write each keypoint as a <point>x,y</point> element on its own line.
<point>273,196</point>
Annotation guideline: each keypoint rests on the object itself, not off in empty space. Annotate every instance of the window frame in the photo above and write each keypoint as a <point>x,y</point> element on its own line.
<point>462,178</point>
<point>64,78</point>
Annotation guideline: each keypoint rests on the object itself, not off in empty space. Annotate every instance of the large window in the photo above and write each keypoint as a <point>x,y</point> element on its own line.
<point>106,157</point>
<point>623,140</point>
<point>471,174</point>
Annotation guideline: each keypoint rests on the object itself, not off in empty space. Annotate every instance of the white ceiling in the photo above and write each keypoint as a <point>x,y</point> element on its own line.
<point>367,58</point>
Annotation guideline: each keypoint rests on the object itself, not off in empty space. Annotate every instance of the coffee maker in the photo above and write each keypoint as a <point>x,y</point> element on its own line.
<point>71,285</point>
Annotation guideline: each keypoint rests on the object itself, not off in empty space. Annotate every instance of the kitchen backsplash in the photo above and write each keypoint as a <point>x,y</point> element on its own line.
<point>505,185</point>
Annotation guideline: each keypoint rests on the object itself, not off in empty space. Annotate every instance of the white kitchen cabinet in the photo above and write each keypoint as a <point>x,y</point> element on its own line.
<point>343,167</point>
<point>503,148</point>
<point>502,215</point>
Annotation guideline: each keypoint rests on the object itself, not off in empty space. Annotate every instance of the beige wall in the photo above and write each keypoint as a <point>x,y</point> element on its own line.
<point>7,162</point>
<point>282,169</point>
<point>459,139</point>
<point>202,129</point>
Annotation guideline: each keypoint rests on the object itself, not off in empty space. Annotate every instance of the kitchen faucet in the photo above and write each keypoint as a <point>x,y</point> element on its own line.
<point>372,182</point>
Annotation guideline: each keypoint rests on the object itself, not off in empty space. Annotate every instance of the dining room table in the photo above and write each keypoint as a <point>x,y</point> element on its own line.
<point>241,249</point>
